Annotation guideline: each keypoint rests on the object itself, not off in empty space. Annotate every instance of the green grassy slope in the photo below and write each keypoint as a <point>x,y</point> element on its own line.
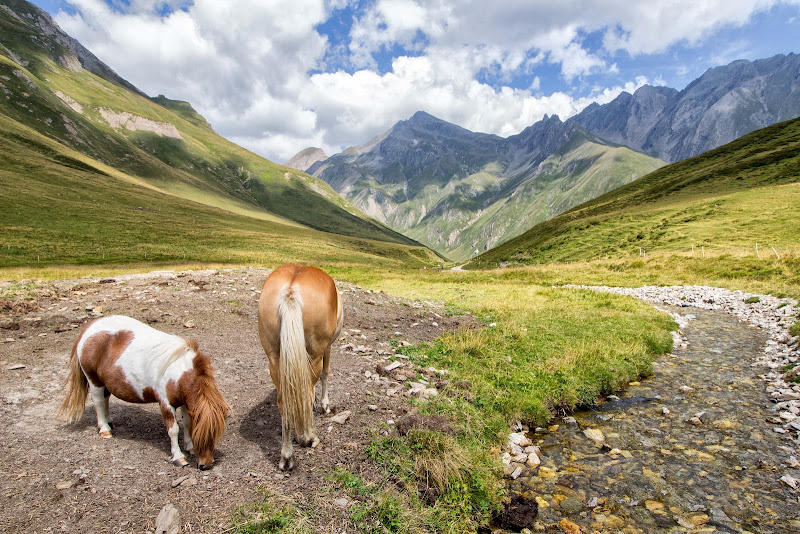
<point>60,207</point>
<point>742,193</point>
<point>577,172</point>
<point>42,86</point>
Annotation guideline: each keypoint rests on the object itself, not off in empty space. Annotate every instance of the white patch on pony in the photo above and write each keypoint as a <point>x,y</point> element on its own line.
<point>152,358</point>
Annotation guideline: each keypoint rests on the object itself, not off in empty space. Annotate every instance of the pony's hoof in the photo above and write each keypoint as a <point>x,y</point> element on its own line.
<point>180,462</point>
<point>314,443</point>
<point>106,434</point>
<point>286,464</point>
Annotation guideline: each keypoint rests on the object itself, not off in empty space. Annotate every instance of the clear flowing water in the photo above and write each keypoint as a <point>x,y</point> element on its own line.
<point>690,449</point>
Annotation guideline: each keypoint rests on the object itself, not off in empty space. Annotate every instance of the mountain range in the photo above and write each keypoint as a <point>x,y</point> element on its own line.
<point>461,192</point>
<point>71,128</point>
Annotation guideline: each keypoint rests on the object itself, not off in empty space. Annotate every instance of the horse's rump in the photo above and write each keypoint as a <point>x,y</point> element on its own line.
<point>299,316</point>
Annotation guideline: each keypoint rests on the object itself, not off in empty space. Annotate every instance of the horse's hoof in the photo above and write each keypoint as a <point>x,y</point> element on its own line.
<point>314,443</point>
<point>286,464</point>
<point>106,434</point>
<point>180,462</point>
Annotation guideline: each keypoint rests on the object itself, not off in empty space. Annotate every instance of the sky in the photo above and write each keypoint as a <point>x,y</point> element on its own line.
<point>277,76</point>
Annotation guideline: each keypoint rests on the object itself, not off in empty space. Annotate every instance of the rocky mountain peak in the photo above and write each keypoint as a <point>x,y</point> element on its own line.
<point>306,158</point>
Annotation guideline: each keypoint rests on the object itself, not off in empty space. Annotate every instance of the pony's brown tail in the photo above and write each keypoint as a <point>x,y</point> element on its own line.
<point>297,387</point>
<point>77,390</point>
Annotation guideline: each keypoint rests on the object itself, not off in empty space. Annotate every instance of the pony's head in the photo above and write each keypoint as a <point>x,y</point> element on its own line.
<point>207,410</point>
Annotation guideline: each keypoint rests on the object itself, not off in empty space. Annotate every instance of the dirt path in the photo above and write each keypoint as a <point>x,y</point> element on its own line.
<point>60,478</point>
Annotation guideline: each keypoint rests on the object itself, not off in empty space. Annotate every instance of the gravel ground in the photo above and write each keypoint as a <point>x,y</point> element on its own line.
<point>64,478</point>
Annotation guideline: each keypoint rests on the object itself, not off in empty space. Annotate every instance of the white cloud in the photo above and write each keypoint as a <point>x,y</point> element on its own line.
<point>251,67</point>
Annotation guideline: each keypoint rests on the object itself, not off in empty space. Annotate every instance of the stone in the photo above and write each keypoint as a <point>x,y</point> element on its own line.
<point>594,434</point>
<point>653,505</point>
<point>568,527</point>
<point>392,366</point>
<point>168,520</point>
<point>341,503</point>
<point>571,505</point>
<point>723,424</point>
<point>180,480</point>
<point>613,522</point>
<point>519,438</point>
<point>698,520</point>
<point>341,417</point>
<point>790,481</point>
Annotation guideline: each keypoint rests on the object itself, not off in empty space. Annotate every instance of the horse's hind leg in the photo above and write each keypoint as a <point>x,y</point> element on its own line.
<point>100,401</point>
<point>287,449</point>
<point>326,360</point>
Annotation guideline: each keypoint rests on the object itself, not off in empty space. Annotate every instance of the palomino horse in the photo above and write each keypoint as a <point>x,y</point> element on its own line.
<point>120,356</point>
<point>299,317</point>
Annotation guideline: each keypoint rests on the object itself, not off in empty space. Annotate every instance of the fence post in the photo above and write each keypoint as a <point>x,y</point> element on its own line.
<point>704,251</point>
<point>757,251</point>
<point>776,252</point>
<point>692,250</point>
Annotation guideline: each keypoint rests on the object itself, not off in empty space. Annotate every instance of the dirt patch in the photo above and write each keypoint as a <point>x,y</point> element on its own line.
<point>65,478</point>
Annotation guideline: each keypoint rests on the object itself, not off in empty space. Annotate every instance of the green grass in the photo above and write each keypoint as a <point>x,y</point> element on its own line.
<point>61,208</point>
<point>274,514</point>
<point>726,201</point>
<point>550,350</point>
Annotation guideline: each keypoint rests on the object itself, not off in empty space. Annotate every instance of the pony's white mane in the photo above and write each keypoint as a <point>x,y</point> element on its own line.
<point>168,352</point>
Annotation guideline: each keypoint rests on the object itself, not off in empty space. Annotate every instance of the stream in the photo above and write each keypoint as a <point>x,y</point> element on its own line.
<point>695,448</point>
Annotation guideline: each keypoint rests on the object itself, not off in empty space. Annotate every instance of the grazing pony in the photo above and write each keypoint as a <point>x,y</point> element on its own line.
<point>120,356</point>
<point>299,317</point>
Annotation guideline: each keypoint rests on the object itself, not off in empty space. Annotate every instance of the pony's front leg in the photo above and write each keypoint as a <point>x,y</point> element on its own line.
<point>183,415</point>
<point>287,449</point>
<point>173,429</point>
<point>100,401</point>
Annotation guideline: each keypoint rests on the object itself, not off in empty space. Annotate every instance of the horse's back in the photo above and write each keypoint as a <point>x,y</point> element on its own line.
<point>124,354</point>
<point>314,288</point>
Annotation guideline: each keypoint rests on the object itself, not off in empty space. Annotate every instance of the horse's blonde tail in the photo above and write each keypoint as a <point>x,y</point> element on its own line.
<point>77,389</point>
<point>297,388</point>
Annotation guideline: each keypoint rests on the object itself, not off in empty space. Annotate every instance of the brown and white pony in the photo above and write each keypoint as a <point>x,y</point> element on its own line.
<point>299,317</point>
<point>120,356</point>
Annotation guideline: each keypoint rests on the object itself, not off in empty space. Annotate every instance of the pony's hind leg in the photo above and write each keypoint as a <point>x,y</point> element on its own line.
<point>326,360</point>
<point>100,401</point>
<point>287,449</point>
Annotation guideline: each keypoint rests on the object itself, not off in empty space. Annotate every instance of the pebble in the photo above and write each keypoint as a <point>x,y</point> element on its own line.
<point>341,417</point>
<point>594,434</point>
<point>180,480</point>
<point>341,503</point>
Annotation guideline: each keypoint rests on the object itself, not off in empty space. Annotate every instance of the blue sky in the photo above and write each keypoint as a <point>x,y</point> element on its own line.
<point>277,76</point>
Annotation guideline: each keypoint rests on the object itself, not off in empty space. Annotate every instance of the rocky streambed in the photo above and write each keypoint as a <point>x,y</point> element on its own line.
<point>708,444</point>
